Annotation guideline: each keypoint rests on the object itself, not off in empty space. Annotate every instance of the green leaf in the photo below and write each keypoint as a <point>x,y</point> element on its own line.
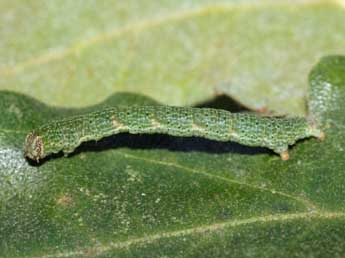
<point>154,196</point>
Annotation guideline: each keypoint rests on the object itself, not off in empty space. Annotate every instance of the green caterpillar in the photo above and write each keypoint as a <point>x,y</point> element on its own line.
<point>275,133</point>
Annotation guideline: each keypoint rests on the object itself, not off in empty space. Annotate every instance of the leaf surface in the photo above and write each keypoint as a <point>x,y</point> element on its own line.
<point>153,195</point>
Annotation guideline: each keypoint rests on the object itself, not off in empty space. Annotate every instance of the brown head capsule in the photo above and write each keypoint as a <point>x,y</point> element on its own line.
<point>33,147</point>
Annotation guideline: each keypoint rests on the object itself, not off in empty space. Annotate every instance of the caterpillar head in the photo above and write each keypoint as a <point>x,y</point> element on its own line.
<point>33,147</point>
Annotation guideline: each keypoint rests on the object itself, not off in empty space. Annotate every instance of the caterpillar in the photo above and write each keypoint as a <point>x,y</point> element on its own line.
<point>275,133</point>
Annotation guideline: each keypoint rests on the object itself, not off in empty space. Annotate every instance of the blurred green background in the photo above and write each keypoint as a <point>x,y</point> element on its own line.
<point>77,53</point>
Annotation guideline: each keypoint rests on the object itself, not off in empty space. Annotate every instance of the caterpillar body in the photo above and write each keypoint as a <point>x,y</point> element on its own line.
<point>275,133</point>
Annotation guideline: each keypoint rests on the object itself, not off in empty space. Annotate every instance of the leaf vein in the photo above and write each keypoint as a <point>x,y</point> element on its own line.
<point>307,203</point>
<point>100,249</point>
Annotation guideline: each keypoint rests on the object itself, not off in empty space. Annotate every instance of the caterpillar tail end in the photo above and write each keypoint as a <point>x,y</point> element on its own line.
<point>315,131</point>
<point>321,136</point>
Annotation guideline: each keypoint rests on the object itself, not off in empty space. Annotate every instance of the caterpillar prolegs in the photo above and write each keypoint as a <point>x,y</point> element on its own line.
<point>275,133</point>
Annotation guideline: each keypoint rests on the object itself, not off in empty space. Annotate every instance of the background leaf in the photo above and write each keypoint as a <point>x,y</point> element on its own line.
<point>154,196</point>
<point>77,53</point>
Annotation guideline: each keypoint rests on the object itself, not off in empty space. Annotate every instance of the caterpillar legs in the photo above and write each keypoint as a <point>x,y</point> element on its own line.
<point>284,153</point>
<point>321,136</point>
